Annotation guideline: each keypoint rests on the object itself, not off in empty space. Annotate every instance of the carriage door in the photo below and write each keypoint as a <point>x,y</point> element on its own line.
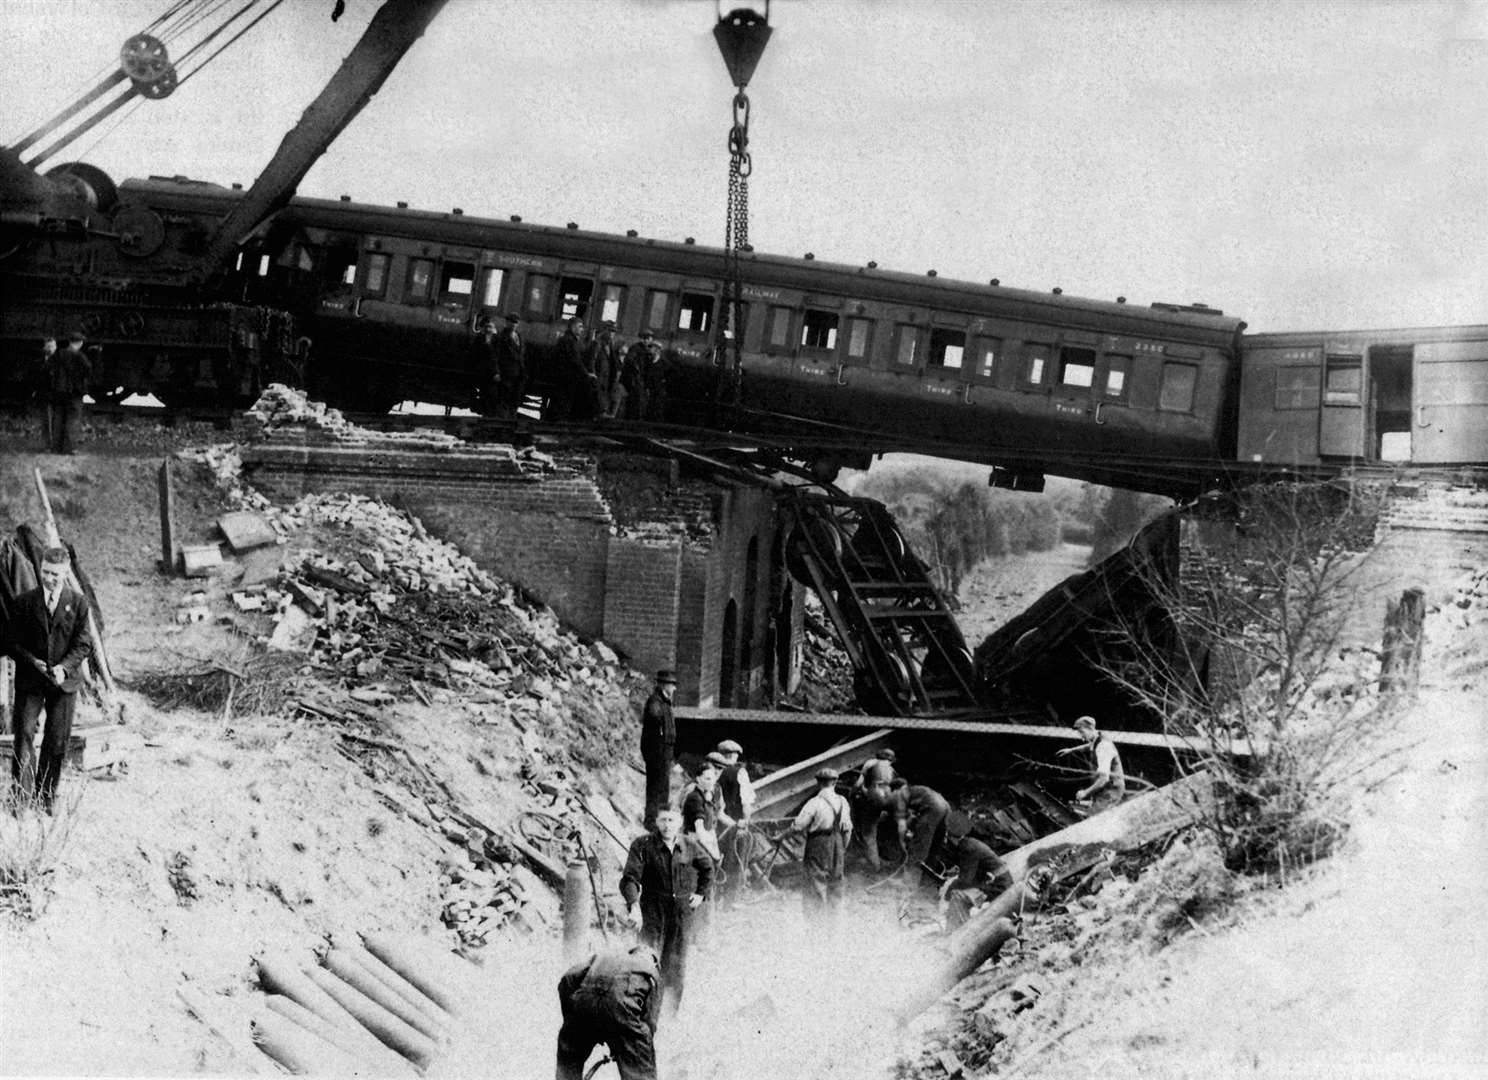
<point>1451,412</point>
<point>1341,427</point>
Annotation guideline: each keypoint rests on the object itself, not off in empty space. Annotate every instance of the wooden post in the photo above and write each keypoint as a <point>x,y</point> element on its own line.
<point>100,651</point>
<point>1400,659</point>
<point>167,520</point>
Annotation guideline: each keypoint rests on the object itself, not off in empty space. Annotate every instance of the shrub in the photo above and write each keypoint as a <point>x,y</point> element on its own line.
<point>31,845</point>
<point>1242,653</point>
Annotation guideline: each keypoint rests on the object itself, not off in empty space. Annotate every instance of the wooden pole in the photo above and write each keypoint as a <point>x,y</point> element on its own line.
<point>100,650</point>
<point>973,950</point>
<point>1400,659</point>
<point>167,519</point>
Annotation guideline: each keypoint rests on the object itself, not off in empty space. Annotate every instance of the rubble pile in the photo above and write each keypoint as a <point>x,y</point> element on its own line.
<point>826,671</point>
<point>396,611</point>
<point>280,407</point>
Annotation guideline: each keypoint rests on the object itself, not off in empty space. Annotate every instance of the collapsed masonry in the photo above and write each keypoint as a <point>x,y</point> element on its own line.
<point>673,569</point>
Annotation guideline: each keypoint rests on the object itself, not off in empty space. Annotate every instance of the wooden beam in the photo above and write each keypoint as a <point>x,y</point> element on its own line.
<point>967,725</point>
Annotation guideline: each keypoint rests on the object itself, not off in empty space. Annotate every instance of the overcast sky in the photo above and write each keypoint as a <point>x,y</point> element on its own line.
<point>1300,164</point>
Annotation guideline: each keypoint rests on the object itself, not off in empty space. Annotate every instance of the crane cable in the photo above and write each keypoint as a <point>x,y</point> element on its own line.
<point>184,19</point>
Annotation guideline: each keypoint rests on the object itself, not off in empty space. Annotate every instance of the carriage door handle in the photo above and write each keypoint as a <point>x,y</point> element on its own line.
<point>356,307</point>
<point>1099,405</point>
<point>1421,420</point>
<point>841,370</point>
<point>966,393</point>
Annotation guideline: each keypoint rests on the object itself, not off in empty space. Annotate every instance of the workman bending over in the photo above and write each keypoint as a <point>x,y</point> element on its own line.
<point>919,817</point>
<point>670,875</point>
<point>870,805</point>
<point>612,998</point>
<point>1107,785</point>
<point>981,876</point>
<point>826,819</point>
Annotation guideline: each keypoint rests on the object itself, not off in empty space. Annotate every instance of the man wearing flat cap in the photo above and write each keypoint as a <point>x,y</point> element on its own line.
<point>47,635</point>
<point>826,819</point>
<point>1107,785</point>
<point>658,744</point>
<point>67,382</point>
<point>735,802</point>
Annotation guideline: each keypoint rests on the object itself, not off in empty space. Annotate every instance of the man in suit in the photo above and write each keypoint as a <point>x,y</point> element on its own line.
<point>47,635</point>
<point>658,744</point>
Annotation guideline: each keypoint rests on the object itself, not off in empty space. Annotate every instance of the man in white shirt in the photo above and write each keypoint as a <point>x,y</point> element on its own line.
<point>826,819</point>
<point>1107,785</point>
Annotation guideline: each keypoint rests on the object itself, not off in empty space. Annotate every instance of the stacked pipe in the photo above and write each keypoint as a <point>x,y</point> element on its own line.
<point>377,1006</point>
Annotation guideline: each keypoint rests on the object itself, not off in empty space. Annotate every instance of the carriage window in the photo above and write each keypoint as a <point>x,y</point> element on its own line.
<point>1116,369</point>
<point>539,295</point>
<point>491,281</point>
<point>819,329</point>
<point>947,348</point>
<point>611,303</point>
<point>1077,368</point>
<point>779,332</point>
<point>695,313</point>
<point>420,280</point>
<point>1035,362</point>
<point>263,266</point>
<point>858,337</point>
<point>907,351</point>
<point>340,265</point>
<point>456,281</point>
<point>1345,380</point>
<point>374,281</point>
<point>985,357</point>
<point>1176,394</point>
<point>573,297</point>
<point>1297,388</point>
<point>658,303</point>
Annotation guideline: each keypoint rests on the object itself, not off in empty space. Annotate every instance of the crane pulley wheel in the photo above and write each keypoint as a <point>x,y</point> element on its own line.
<point>145,61</point>
<point>162,87</point>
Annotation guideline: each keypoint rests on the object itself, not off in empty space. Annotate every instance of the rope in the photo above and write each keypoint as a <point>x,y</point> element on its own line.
<point>230,41</point>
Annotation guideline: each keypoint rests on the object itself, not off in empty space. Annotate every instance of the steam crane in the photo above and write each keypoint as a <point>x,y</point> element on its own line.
<point>135,277</point>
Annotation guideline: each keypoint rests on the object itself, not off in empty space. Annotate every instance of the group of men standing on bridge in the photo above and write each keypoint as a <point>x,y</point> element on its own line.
<point>589,378</point>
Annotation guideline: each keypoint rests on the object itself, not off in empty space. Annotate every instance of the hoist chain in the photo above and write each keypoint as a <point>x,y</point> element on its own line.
<point>735,240</point>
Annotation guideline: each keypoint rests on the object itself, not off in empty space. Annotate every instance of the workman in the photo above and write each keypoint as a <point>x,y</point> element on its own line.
<point>600,359</point>
<point>699,804</point>
<point>573,393</point>
<point>735,804</point>
<point>700,825</point>
<point>826,819</point>
<point>67,382</point>
<point>631,387</point>
<point>670,875</point>
<point>980,876</point>
<point>870,805</point>
<point>46,633</point>
<point>1107,785</point>
<point>920,816</point>
<point>507,369</point>
<point>658,744</point>
<point>612,998</point>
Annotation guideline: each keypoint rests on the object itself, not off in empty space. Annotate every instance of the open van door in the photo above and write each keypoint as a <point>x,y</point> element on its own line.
<point>1451,407</point>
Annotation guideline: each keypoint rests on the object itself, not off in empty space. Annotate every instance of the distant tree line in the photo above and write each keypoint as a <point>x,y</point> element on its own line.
<point>954,524</point>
